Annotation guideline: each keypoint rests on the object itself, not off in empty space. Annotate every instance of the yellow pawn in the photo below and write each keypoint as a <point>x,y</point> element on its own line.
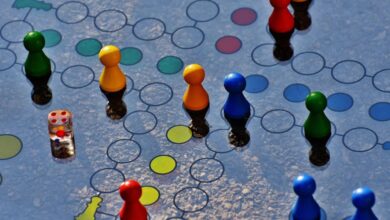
<point>196,100</point>
<point>112,81</point>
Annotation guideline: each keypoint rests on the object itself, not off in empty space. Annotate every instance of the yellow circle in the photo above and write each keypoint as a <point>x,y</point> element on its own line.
<point>179,134</point>
<point>150,195</point>
<point>163,164</point>
<point>10,146</point>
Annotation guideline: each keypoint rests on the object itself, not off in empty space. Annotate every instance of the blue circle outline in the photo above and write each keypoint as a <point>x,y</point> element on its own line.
<point>145,132</point>
<point>78,87</point>
<point>110,10</point>
<point>264,65</point>
<point>373,78</point>
<point>70,2</point>
<point>308,52</point>
<point>362,128</point>
<point>156,83</point>
<point>352,61</point>
<point>14,21</point>
<point>149,18</point>
<point>209,135</point>
<point>116,141</point>
<point>208,181</point>
<point>277,132</point>
<point>189,188</point>
<point>115,188</point>
<point>191,18</point>
<point>13,63</point>
<point>186,48</point>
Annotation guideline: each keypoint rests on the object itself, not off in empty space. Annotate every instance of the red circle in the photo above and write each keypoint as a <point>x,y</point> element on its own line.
<point>53,121</point>
<point>244,16</point>
<point>60,133</point>
<point>53,114</point>
<point>228,44</point>
<point>63,120</point>
<point>63,113</point>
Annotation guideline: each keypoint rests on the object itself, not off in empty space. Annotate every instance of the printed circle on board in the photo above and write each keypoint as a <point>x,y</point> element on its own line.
<point>207,170</point>
<point>179,134</point>
<point>14,31</point>
<point>191,199</point>
<point>52,37</point>
<point>386,145</point>
<point>296,92</point>
<point>149,29</point>
<point>156,94</point>
<point>187,37</point>
<point>88,47</point>
<point>8,59</point>
<point>10,146</point>
<point>340,102</point>
<point>150,195</point>
<point>77,77</point>
<point>381,80</point>
<point>110,20</point>
<point>256,83</point>
<point>228,44</point>
<point>243,16</point>
<point>348,71</point>
<point>380,111</point>
<point>262,55</point>
<point>123,151</point>
<point>278,121</point>
<point>107,180</point>
<point>1,179</point>
<point>308,63</point>
<point>170,65</point>
<point>163,164</point>
<point>360,139</point>
<point>218,142</point>
<point>130,56</point>
<point>140,122</point>
<point>72,12</point>
<point>202,10</point>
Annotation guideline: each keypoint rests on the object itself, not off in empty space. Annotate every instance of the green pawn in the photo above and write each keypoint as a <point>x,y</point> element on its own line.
<point>317,128</point>
<point>37,67</point>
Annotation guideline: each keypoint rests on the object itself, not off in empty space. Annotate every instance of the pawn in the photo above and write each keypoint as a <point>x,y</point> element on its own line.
<point>237,109</point>
<point>112,82</point>
<point>281,26</point>
<point>37,67</point>
<point>305,208</point>
<point>196,100</point>
<point>132,209</point>
<point>317,128</point>
<point>302,18</point>
<point>363,199</point>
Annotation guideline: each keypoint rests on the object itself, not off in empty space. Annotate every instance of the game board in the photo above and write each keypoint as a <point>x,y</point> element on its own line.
<point>344,54</point>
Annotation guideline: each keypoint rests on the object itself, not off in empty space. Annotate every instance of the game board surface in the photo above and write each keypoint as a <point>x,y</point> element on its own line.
<point>344,54</point>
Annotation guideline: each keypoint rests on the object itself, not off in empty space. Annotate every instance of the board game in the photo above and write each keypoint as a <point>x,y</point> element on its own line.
<point>344,53</point>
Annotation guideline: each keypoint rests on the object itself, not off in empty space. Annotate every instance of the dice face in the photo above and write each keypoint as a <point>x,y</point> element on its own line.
<point>60,119</point>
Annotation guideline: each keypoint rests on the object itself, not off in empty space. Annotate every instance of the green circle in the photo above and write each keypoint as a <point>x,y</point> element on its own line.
<point>52,37</point>
<point>179,134</point>
<point>130,56</point>
<point>170,65</point>
<point>163,164</point>
<point>10,146</point>
<point>150,195</point>
<point>88,47</point>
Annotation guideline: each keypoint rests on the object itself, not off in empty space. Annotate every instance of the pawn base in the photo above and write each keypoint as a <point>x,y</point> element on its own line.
<point>302,22</point>
<point>239,139</point>
<point>283,53</point>
<point>322,216</point>
<point>199,130</point>
<point>116,112</point>
<point>319,157</point>
<point>41,96</point>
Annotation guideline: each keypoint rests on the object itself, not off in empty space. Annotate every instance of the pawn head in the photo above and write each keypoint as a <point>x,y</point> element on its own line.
<point>316,102</point>
<point>34,41</point>
<point>234,83</point>
<point>110,55</point>
<point>280,3</point>
<point>194,74</point>
<point>363,198</point>
<point>130,190</point>
<point>304,185</point>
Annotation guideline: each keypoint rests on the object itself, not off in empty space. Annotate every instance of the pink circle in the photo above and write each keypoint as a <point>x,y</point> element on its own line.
<point>228,44</point>
<point>244,16</point>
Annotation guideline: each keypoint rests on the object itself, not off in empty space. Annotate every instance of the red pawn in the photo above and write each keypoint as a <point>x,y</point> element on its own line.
<point>132,209</point>
<point>281,26</point>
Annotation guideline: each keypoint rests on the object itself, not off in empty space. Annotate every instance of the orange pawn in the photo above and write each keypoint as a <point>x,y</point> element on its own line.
<point>112,81</point>
<point>196,100</point>
<point>132,209</point>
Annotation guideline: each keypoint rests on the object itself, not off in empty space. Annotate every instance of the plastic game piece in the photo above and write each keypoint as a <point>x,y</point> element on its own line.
<point>37,67</point>
<point>61,134</point>
<point>112,82</point>
<point>281,26</point>
<point>317,128</point>
<point>363,199</point>
<point>302,18</point>
<point>237,109</point>
<point>305,208</point>
<point>196,100</point>
<point>132,209</point>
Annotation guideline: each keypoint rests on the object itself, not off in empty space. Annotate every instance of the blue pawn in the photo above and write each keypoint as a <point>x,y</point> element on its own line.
<point>237,109</point>
<point>363,199</point>
<point>305,208</point>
